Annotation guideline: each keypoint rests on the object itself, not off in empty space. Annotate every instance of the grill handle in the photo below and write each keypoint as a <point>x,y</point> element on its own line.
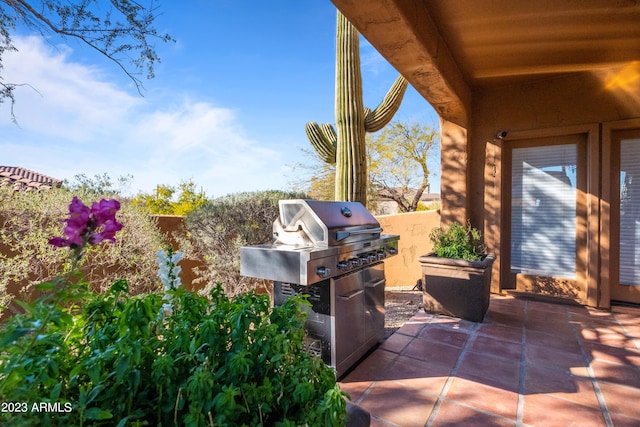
<point>373,284</point>
<point>351,295</point>
<point>341,235</point>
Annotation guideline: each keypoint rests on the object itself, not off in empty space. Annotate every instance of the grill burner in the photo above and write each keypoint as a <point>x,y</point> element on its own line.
<point>332,252</point>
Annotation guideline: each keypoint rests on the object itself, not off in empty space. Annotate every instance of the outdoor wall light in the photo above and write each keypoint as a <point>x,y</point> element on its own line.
<point>502,134</point>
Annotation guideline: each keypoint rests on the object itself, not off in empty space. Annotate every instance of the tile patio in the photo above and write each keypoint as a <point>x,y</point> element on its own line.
<point>529,363</point>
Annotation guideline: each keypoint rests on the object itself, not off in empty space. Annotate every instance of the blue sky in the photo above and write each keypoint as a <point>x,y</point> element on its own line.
<point>226,109</point>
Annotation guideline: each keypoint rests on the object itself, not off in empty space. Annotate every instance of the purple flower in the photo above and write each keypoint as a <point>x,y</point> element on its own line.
<point>59,242</point>
<point>89,225</point>
<point>105,210</point>
<point>104,215</point>
<point>109,229</point>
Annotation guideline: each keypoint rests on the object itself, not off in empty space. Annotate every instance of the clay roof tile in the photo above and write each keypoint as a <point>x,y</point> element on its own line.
<point>25,179</point>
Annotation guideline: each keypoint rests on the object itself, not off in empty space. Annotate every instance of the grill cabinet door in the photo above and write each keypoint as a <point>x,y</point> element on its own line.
<point>349,319</point>
<point>374,302</point>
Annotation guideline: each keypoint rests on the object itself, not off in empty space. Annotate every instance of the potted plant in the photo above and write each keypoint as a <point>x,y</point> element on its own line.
<point>456,276</point>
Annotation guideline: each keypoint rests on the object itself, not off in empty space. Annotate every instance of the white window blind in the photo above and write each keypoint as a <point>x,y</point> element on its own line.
<point>543,212</point>
<point>630,212</point>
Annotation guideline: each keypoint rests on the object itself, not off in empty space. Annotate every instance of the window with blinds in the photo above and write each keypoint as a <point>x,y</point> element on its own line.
<point>630,212</point>
<point>543,212</point>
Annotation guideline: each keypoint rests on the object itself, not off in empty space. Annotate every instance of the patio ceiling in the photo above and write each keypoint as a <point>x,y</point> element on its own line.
<point>448,49</point>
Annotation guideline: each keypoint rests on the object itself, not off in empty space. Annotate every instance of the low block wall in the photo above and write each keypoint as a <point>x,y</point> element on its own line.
<point>413,228</point>
<point>402,270</point>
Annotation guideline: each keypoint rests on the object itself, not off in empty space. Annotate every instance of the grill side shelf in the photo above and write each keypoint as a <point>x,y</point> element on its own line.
<point>263,262</point>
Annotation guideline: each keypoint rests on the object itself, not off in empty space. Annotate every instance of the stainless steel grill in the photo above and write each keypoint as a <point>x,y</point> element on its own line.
<point>332,252</point>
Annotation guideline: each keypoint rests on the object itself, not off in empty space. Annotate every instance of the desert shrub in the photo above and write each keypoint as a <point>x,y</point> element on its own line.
<point>218,229</point>
<point>28,219</point>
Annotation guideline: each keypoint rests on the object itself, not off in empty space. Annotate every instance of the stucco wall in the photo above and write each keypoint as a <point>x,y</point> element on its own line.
<point>414,229</point>
<point>578,99</point>
<point>537,109</point>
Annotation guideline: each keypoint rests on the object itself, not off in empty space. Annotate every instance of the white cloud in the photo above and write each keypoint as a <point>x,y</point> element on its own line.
<point>201,142</point>
<point>370,60</point>
<point>62,99</point>
<point>80,122</point>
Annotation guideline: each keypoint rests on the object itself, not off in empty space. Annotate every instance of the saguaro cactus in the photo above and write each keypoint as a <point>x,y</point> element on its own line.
<point>346,148</point>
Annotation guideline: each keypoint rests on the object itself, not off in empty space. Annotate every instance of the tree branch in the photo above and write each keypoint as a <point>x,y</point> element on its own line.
<point>7,92</point>
<point>111,38</point>
<point>64,32</point>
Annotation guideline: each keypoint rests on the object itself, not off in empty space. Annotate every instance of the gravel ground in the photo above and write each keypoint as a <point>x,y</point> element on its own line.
<point>401,304</point>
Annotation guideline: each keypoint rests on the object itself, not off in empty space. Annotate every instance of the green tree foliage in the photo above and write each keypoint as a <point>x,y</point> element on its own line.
<point>399,163</point>
<point>123,32</point>
<point>398,160</point>
<point>169,200</point>
<point>99,184</point>
<point>29,219</point>
<point>219,228</point>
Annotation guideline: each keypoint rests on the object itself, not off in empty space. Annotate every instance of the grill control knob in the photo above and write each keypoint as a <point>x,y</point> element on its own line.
<point>343,266</point>
<point>373,258</point>
<point>364,260</point>
<point>354,262</point>
<point>381,255</point>
<point>323,271</point>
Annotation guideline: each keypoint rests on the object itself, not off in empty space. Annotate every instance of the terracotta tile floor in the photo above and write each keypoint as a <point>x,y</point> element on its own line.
<point>529,363</point>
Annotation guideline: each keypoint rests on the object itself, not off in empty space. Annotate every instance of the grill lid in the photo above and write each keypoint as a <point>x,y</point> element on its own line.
<point>322,223</point>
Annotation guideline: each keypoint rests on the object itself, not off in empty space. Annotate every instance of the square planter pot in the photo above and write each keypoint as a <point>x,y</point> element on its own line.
<point>456,287</point>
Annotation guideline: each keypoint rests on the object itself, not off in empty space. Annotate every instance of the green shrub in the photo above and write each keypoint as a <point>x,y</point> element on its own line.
<point>120,361</point>
<point>218,229</point>
<point>98,359</point>
<point>28,219</point>
<point>458,242</point>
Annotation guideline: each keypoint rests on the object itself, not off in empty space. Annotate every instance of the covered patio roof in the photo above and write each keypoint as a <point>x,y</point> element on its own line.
<point>448,49</point>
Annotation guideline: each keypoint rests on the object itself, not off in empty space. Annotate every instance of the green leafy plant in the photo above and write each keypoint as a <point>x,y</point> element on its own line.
<point>458,242</point>
<point>112,359</point>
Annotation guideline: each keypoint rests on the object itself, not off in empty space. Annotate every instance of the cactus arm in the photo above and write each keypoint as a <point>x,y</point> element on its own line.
<point>378,118</point>
<point>324,139</point>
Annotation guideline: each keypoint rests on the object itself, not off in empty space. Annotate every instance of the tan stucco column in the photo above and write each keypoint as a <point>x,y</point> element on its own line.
<point>453,176</point>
